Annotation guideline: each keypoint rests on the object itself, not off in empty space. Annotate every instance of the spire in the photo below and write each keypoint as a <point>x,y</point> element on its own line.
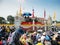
<point>33,13</point>
<point>54,16</point>
<point>20,11</point>
<point>44,13</point>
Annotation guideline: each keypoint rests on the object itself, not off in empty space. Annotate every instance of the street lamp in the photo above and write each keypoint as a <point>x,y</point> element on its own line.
<point>33,24</point>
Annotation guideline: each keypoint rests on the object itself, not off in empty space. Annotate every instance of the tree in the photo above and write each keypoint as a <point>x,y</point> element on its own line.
<point>10,18</point>
<point>57,21</point>
<point>2,20</point>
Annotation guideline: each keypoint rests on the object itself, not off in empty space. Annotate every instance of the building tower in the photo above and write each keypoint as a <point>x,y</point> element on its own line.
<point>19,18</point>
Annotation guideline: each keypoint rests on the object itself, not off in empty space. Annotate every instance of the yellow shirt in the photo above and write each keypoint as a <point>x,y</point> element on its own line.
<point>22,40</point>
<point>8,30</point>
<point>39,44</point>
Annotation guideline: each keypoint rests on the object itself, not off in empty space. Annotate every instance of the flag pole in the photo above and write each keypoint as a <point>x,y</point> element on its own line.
<point>54,18</point>
<point>33,24</point>
<point>33,19</point>
<point>45,19</point>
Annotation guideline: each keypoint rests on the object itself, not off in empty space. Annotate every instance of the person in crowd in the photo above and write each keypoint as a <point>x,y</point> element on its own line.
<point>47,40</point>
<point>39,42</point>
<point>17,34</point>
<point>12,28</point>
<point>58,38</point>
<point>43,37</point>
<point>29,41</point>
<point>1,43</point>
<point>23,39</point>
<point>10,38</point>
<point>0,31</point>
<point>3,32</point>
<point>4,41</point>
<point>39,34</point>
<point>33,37</point>
<point>8,29</point>
<point>53,42</point>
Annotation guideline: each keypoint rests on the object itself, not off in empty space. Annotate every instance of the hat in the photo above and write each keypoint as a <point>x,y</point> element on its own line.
<point>39,39</point>
<point>44,33</point>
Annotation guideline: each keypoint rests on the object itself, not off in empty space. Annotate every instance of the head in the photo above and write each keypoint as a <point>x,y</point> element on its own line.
<point>24,36</point>
<point>39,40</point>
<point>34,33</point>
<point>44,33</point>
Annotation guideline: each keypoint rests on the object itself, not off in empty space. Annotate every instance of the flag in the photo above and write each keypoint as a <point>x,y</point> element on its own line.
<point>44,14</point>
<point>33,13</point>
<point>54,16</point>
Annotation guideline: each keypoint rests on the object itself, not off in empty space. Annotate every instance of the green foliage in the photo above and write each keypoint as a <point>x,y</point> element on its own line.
<point>10,18</point>
<point>58,21</point>
<point>2,20</point>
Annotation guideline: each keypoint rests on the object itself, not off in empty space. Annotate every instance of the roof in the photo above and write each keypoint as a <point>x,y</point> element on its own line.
<point>31,23</point>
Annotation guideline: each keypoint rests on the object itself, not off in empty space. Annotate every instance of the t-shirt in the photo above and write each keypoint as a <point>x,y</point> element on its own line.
<point>39,44</point>
<point>1,42</point>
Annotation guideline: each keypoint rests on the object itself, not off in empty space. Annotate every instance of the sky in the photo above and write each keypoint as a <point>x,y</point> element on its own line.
<point>10,7</point>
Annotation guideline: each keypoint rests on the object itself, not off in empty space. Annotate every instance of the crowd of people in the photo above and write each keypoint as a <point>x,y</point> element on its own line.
<point>13,36</point>
<point>4,33</point>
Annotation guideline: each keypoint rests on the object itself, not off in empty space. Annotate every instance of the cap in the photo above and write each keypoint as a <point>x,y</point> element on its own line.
<point>44,33</point>
<point>39,39</point>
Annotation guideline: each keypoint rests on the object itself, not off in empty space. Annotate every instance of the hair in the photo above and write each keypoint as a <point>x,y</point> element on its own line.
<point>39,40</point>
